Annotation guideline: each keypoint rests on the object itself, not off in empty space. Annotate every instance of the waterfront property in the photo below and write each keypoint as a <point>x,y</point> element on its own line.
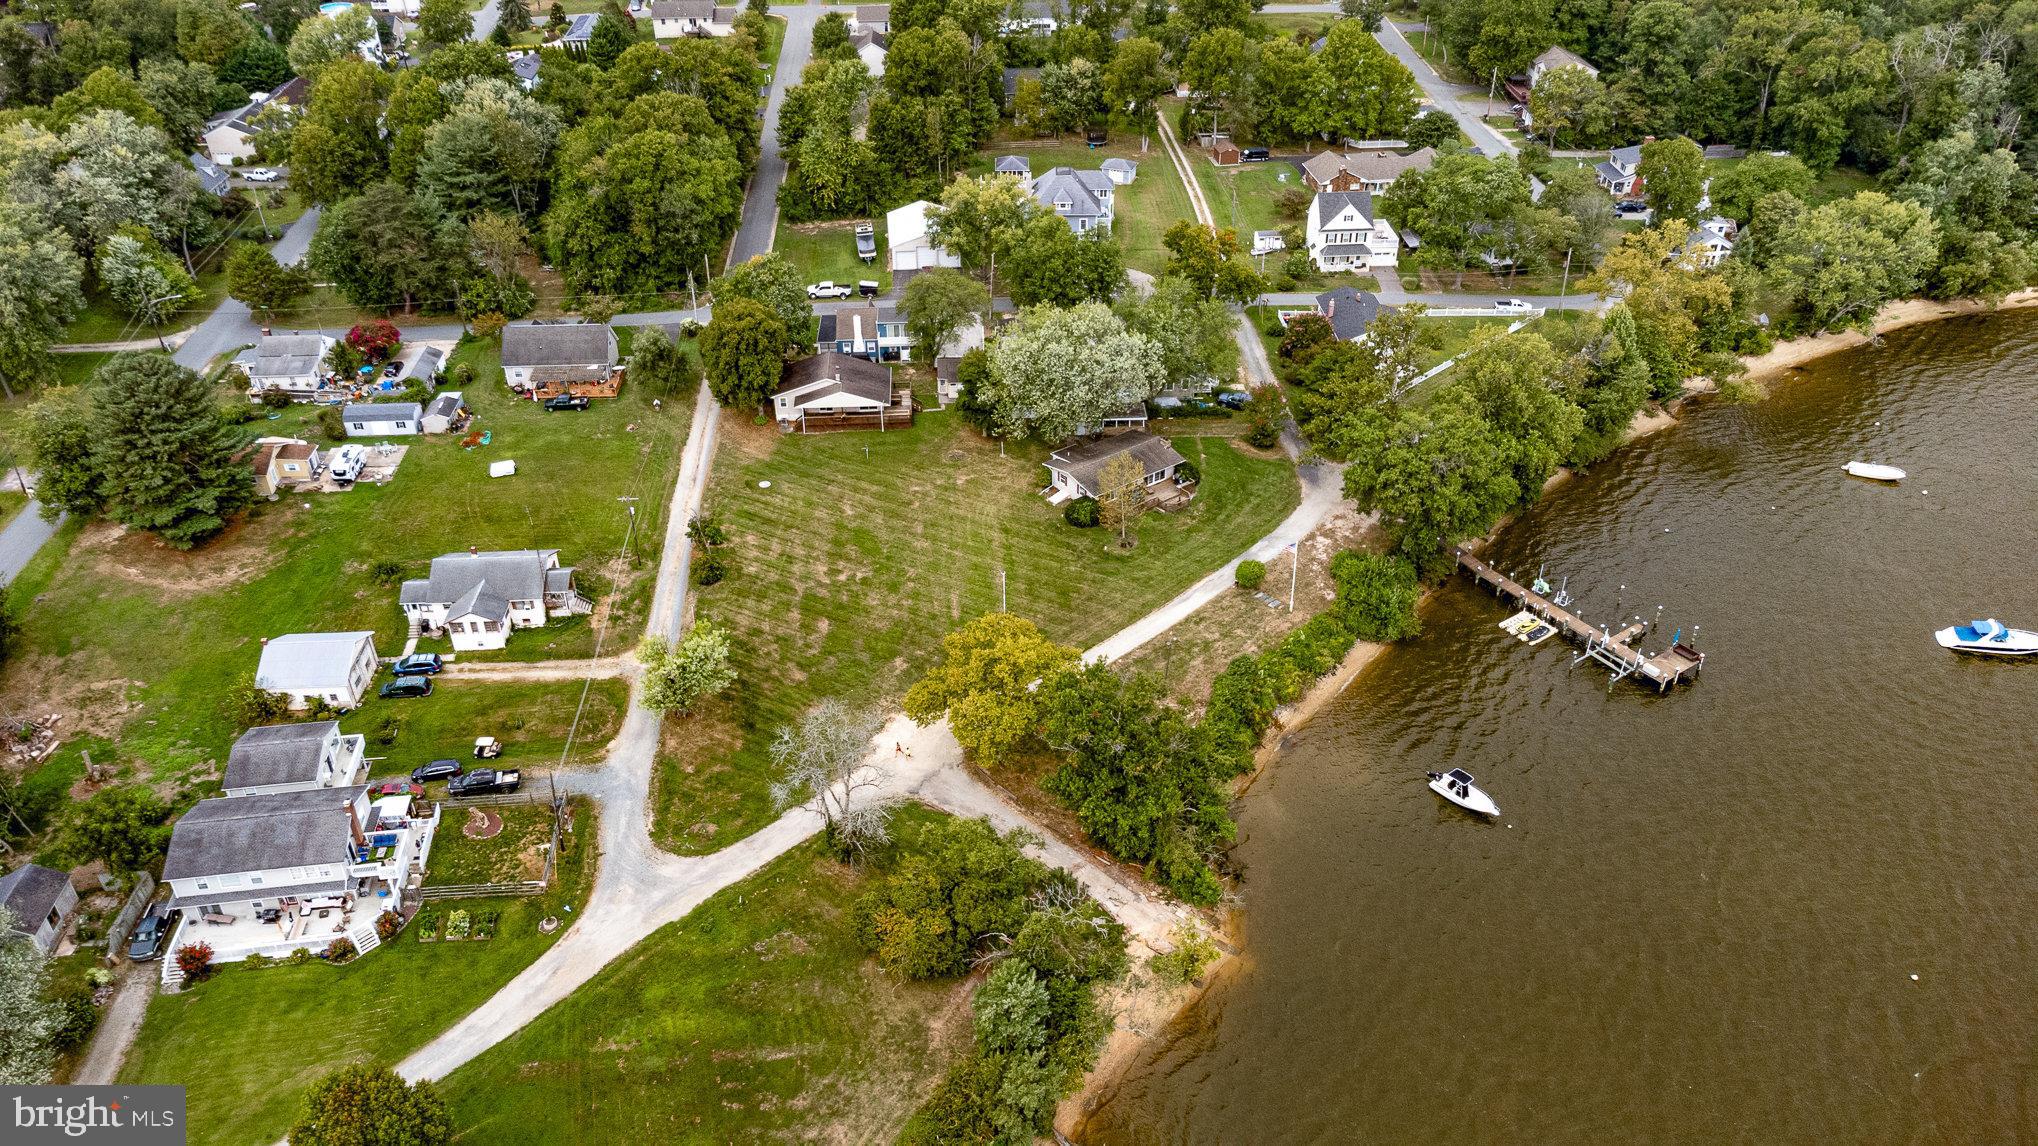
<point>1076,470</point>
<point>1676,664</point>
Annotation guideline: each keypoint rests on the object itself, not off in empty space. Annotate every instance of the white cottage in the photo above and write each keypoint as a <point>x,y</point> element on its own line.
<point>674,18</point>
<point>478,598</point>
<point>333,667</point>
<point>1344,234</point>
<point>292,363</point>
<point>832,385</point>
<point>381,419</point>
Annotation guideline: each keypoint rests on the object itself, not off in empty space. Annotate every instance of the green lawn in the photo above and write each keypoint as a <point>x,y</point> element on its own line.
<point>757,1018</point>
<point>513,854</point>
<point>248,1043</point>
<point>1840,183</point>
<point>1430,47</point>
<point>848,570</point>
<point>1243,196</point>
<point>1144,210</point>
<point>827,252</point>
<point>529,717</point>
<point>1286,24</point>
<point>141,643</point>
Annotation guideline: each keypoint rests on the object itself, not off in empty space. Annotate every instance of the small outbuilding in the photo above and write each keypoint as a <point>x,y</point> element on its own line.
<point>40,899</point>
<point>381,419</point>
<point>1119,171</point>
<point>333,667</point>
<point>911,241</point>
<point>444,414</point>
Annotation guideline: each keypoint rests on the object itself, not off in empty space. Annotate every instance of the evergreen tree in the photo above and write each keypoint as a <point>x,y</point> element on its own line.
<point>165,457</point>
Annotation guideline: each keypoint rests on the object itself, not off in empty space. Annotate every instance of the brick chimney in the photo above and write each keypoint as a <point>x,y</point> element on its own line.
<point>354,825</point>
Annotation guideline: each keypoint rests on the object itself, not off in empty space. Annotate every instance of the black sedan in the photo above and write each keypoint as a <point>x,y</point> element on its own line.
<point>437,770</point>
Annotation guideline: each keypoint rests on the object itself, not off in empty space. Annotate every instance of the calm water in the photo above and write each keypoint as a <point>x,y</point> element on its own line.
<point>1700,915</point>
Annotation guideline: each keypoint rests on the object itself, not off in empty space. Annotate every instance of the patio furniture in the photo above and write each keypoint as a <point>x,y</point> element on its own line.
<point>217,917</point>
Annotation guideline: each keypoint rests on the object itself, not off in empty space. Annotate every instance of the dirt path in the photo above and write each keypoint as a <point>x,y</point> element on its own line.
<point>118,1026</point>
<point>606,668</point>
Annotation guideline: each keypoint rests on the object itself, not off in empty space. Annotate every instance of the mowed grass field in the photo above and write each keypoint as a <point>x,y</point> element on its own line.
<point>141,644</point>
<point>826,252</point>
<point>1243,195</point>
<point>867,548</point>
<point>1143,210</point>
<point>247,1044</point>
<point>757,1018</point>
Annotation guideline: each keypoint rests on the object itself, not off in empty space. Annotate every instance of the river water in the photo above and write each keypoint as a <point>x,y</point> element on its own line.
<point>1700,916</point>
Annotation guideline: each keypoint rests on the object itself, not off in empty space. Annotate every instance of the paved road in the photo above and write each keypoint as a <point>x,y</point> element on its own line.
<point>485,20</point>
<point>760,204</point>
<point>1462,102</point>
<point>22,537</point>
<point>1391,292</point>
<point>289,250</point>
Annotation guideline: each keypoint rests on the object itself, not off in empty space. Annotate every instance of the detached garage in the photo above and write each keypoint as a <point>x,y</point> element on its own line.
<point>912,245</point>
<point>381,419</point>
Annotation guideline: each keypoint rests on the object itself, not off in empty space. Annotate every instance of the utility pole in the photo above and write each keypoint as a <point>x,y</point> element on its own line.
<point>1294,568</point>
<point>1491,85</point>
<point>1001,591</point>
<point>156,317</point>
<point>632,528</point>
<point>1566,288</point>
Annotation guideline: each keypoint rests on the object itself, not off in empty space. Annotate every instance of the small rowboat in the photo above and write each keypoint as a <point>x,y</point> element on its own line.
<point>1873,472</point>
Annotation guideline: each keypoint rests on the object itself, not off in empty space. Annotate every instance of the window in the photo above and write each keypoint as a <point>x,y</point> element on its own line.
<point>359,425</point>
<point>56,917</point>
<point>202,885</point>
<point>256,879</point>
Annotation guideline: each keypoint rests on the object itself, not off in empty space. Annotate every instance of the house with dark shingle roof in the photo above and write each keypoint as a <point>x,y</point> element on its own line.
<point>480,598</point>
<point>1344,233</point>
<point>872,18</point>
<point>269,873</point>
<point>1618,174</point>
<point>1084,199</point>
<point>544,359</point>
<point>40,899</point>
<point>294,758</point>
<point>1363,170</point>
<point>1350,311</point>
<point>839,391</point>
<point>1076,469</point>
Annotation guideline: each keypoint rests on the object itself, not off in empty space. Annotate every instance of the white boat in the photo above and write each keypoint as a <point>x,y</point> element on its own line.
<point>1989,637</point>
<point>1456,786</point>
<point>1874,472</point>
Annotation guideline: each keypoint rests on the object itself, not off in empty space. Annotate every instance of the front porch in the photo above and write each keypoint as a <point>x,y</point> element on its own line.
<point>897,416</point>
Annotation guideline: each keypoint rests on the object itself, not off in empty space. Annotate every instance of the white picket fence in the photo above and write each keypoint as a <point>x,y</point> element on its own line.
<point>1483,312</point>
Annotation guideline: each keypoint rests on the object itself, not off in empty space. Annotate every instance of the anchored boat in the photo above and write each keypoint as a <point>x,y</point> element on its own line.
<point>1989,637</point>
<point>1456,786</point>
<point>1873,472</point>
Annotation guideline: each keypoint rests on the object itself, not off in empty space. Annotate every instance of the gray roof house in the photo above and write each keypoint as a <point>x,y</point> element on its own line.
<point>292,363</point>
<point>578,31</point>
<point>832,384</point>
<point>1014,165</point>
<point>1076,469</point>
<point>1083,198</point>
<point>1119,171</point>
<point>480,598</point>
<point>1350,311</point>
<point>333,667</point>
<point>381,419</point>
<point>525,68</point>
<point>293,758</point>
<point>442,413</point>
<point>425,364</point>
<point>278,831</point>
<point>40,899</point>
<point>211,176</point>
<point>539,354</point>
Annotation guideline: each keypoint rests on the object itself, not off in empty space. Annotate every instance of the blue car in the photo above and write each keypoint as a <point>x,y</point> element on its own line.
<point>418,664</point>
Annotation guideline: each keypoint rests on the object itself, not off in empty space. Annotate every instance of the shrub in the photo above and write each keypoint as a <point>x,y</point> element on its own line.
<point>388,730</point>
<point>1080,512</point>
<point>298,958</point>
<point>1251,574</point>
<point>332,425</point>
<point>339,950</point>
<point>386,572</point>
<point>488,325</point>
<point>706,530</point>
<point>275,399</point>
<point>1193,952</point>
<point>710,569</point>
<point>258,961</point>
<point>1377,596</point>
<point>463,374</point>
<point>691,328</point>
<point>195,961</point>
<point>77,1017</point>
<point>1189,472</point>
<point>458,924</point>
<point>387,925</point>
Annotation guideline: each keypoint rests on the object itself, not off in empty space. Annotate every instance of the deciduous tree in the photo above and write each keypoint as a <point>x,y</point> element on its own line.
<point>1121,496</point>
<point>1194,334</point>
<point>940,304</point>
<point>1058,369</point>
<point>821,758</point>
<point>963,885</point>
<point>372,1106</point>
<point>329,37</point>
<point>1045,262</point>
<point>39,293</point>
<point>743,349</point>
<point>771,280</point>
<point>1735,191</point>
<point>679,676</point>
<point>1673,177</point>
<point>442,22</point>
<point>986,683</point>
<point>336,148</point>
<point>974,217</point>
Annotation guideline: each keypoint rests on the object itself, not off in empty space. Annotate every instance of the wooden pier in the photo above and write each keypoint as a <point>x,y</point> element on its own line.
<point>1615,650</point>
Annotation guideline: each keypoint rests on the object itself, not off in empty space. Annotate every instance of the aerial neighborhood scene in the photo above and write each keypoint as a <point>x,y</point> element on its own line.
<point>969,571</point>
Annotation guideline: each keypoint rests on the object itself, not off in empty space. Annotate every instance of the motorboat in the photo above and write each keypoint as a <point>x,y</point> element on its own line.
<point>1873,472</point>
<point>1456,786</point>
<point>1989,637</point>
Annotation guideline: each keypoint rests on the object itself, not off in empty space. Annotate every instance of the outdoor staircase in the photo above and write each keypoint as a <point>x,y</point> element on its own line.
<point>365,937</point>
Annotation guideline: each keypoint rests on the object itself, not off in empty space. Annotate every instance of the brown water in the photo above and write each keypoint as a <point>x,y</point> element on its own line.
<point>1698,919</point>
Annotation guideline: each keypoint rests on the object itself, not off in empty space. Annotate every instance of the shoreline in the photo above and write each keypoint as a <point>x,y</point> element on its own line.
<point>1125,1042</point>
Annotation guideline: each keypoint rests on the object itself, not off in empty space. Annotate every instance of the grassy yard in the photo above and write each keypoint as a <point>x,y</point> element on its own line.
<point>1243,196</point>
<point>529,717</point>
<point>1145,209</point>
<point>514,853</point>
<point>827,252</point>
<point>757,1018</point>
<point>1430,47</point>
<point>139,643</point>
<point>247,1044</point>
<point>848,570</point>
<point>1840,183</point>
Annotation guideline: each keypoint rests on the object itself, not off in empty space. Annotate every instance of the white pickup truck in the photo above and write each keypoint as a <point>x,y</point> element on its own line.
<point>830,290</point>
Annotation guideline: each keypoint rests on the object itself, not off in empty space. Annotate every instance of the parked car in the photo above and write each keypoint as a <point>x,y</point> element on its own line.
<point>829,290</point>
<point>146,942</point>
<point>866,242</point>
<point>392,370</point>
<point>418,664</point>
<point>1631,206</point>
<point>399,788</point>
<point>1234,399</point>
<point>1512,306</point>
<point>437,770</point>
<point>566,402</point>
<point>261,175</point>
<point>405,686</point>
<point>485,782</point>
<point>1253,155</point>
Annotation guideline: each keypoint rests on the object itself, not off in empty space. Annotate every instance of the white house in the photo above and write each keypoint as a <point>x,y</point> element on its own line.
<point>1084,199</point>
<point>268,874</point>
<point>1076,470</point>
<point>870,331</point>
<point>673,18</point>
<point>292,363</point>
<point>230,139</point>
<point>911,244</point>
<point>1618,174</point>
<point>480,598</point>
<point>871,18</point>
<point>1712,242</point>
<point>871,52</point>
<point>381,419</point>
<point>546,356</point>
<point>1119,171</point>
<point>1554,58</point>
<point>443,414</point>
<point>294,758</point>
<point>40,899</point>
<point>1267,242</point>
<point>835,385</point>
<point>1345,235</point>
<point>333,667</point>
